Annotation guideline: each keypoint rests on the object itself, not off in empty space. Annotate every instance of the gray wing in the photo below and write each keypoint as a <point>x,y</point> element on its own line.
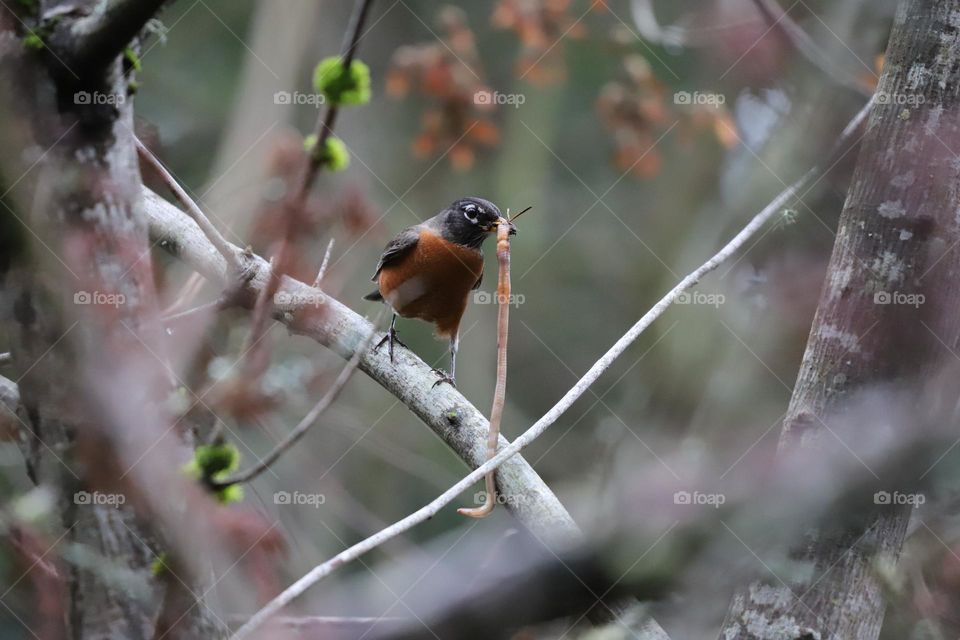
<point>397,248</point>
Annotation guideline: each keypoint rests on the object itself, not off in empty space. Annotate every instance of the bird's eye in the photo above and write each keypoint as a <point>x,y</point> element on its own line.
<point>470,212</point>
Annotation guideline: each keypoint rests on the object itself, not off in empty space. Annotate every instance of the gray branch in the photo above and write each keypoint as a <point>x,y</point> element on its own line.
<point>91,42</point>
<point>443,409</point>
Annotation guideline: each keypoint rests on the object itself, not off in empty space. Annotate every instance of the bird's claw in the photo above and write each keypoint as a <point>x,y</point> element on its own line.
<point>390,338</point>
<point>444,378</point>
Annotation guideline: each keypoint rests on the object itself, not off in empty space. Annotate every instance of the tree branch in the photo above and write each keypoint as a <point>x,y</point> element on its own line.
<point>599,367</point>
<point>191,207</point>
<point>324,127</point>
<point>443,409</point>
<point>794,34</point>
<point>93,41</point>
<point>303,426</point>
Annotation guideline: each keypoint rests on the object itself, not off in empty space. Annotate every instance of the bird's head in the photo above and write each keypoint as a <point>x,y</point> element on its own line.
<point>469,221</point>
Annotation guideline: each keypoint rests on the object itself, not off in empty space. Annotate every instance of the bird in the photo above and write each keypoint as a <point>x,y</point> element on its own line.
<point>429,269</point>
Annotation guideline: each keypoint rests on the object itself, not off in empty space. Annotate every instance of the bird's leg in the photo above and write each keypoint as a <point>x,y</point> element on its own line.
<point>391,337</point>
<point>451,378</point>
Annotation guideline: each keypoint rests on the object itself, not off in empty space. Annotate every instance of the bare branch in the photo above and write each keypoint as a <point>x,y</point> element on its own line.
<point>297,201</point>
<point>301,429</point>
<point>599,367</point>
<point>93,41</point>
<point>213,305</point>
<point>805,45</point>
<point>215,237</point>
<point>443,409</point>
<point>323,265</point>
<point>324,127</point>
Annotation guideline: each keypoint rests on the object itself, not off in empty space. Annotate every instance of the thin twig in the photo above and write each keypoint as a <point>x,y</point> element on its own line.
<point>304,425</point>
<point>296,203</point>
<point>500,390</point>
<point>213,305</point>
<point>187,293</point>
<point>215,237</point>
<point>324,126</point>
<point>323,265</point>
<point>599,367</point>
<point>805,45</point>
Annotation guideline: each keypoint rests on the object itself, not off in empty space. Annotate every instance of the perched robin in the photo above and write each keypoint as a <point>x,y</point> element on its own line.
<point>429,269</point>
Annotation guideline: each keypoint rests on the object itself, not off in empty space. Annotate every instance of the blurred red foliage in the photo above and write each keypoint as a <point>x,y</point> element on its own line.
<point>639,110</point>
<point>542,26</point>
<point>447,72</point>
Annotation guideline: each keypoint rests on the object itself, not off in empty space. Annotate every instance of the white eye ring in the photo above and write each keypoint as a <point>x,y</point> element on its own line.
<point>467,210</point>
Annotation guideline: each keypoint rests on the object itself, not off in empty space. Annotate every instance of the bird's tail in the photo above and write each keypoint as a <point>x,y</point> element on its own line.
<point>375,296</point>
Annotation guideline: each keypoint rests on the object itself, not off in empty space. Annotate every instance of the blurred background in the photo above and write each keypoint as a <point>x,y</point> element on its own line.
<point>644,134</point>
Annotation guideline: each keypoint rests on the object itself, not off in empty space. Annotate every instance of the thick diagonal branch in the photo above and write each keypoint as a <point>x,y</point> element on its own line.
<point>90,43</point>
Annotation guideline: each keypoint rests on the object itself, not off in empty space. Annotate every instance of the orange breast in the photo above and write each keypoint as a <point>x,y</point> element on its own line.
<point>432,282</point>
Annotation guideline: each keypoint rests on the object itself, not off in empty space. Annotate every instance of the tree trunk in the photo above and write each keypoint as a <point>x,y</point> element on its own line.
<point>888,308</point>
<point>81,305</point>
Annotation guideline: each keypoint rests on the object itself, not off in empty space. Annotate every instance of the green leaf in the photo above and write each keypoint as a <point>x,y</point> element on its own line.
<point>340,86</point>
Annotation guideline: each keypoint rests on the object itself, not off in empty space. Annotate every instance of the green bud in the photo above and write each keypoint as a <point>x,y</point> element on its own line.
<point>340,86</point>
